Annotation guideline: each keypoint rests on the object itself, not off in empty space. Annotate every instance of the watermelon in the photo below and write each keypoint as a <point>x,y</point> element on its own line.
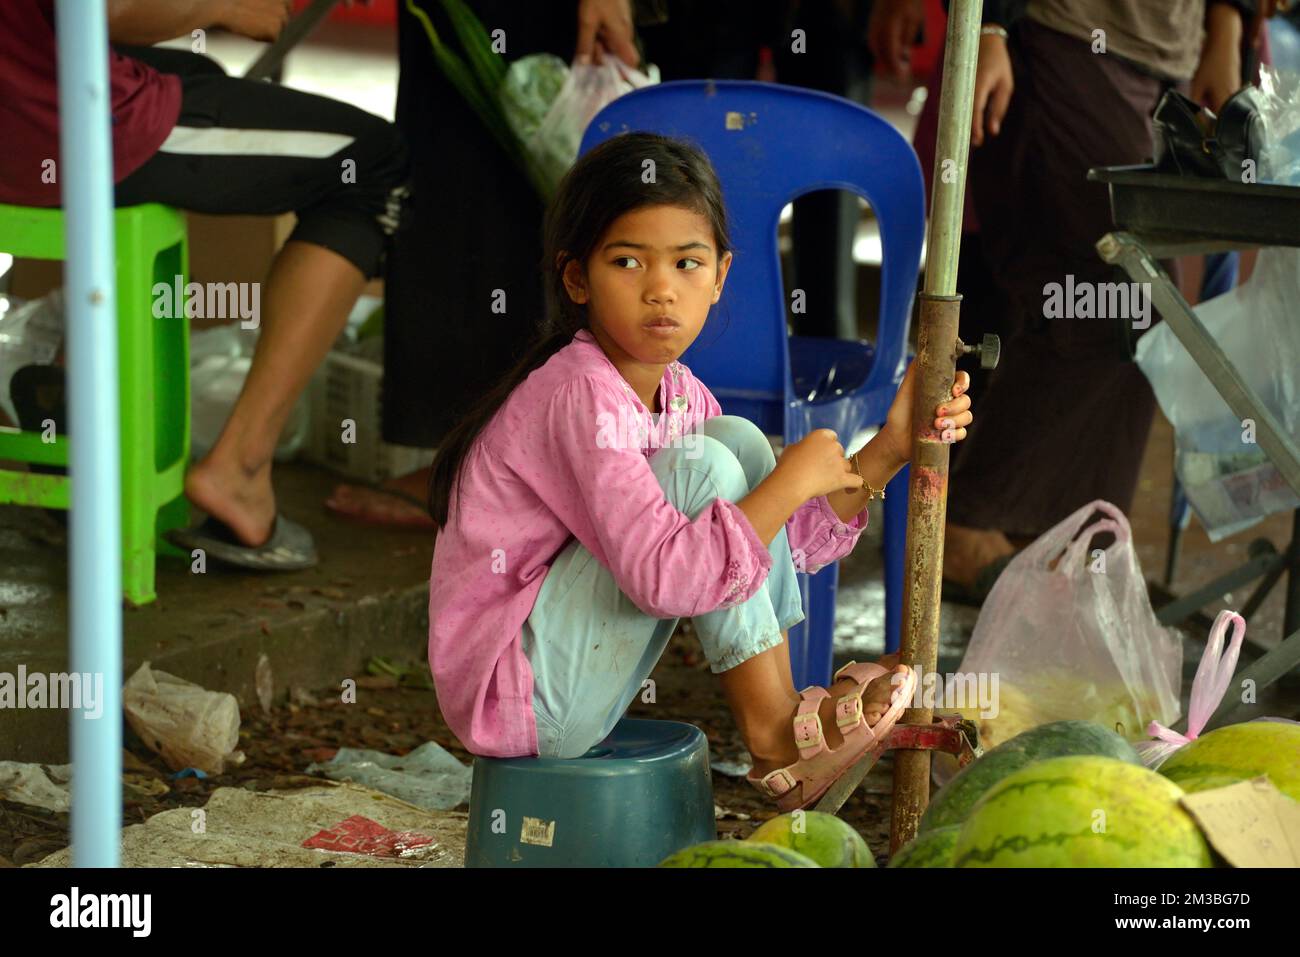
<point>1058,739</point>
<point>822,837</point>
<point>931,849</point>
<point>1081,811</point>
<point>737,854</point>
<point>1237,753</point>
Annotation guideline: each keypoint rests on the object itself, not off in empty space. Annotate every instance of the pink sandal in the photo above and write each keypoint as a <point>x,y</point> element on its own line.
<point>804,782</point>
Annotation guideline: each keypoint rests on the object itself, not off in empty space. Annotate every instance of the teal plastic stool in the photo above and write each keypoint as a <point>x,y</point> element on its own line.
<point>632,800</point>
<point>153,380</point>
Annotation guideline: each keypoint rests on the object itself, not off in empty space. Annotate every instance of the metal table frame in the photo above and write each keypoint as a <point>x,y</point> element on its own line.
<point>1137,253</point>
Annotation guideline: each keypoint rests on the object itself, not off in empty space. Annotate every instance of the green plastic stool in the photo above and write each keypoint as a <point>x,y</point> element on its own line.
<point>153,378</point>
<point>640,795</point>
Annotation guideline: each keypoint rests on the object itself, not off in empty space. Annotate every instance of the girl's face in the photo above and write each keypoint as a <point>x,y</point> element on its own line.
<point>649,283</point>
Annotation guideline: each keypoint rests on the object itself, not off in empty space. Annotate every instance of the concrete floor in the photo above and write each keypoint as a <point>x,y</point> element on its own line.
<point>369,596</point>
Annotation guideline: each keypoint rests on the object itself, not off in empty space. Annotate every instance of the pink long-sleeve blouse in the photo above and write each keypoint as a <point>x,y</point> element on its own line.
<point>567,455</point>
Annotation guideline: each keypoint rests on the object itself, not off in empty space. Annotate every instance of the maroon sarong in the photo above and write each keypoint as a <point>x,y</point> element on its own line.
<point>1066,415</point>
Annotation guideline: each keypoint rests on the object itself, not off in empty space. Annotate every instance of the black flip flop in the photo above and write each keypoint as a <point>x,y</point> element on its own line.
<point>975,595</point>
<point>38,393</point>
<point>289,549</point>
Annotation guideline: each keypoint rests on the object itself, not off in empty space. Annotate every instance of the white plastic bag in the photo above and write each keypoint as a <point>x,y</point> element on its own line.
<point>1228,479</point>
<point>38,785</point>
<point>1069,633</point>
<point>588,88</point>
<point>31,333</point>
<point>188,725</point>
<point>220,358</point>
<point>429,777</point>
<point>1279,157</point>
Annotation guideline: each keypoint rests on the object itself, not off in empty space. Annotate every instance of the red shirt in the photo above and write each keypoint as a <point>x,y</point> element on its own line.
<point>145,105</point>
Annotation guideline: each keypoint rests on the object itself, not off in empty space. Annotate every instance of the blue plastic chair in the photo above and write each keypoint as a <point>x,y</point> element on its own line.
<point>769,145</point>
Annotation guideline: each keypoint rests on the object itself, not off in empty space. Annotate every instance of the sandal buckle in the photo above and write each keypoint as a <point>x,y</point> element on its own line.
<point>782,777</point>
<point>848,712</point>
<point>808,731</point>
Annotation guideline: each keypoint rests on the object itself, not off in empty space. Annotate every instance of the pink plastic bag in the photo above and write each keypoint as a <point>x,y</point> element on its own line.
<point>1068,632</point>
<point>1213,676</point>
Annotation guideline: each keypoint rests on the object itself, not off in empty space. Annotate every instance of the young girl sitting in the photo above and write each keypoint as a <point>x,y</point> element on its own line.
<point>598,494</point>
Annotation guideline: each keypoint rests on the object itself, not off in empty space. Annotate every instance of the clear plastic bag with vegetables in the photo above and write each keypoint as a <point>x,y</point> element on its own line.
<point>537,108</point>
<point>549,105</point>
<point>1069,631</point>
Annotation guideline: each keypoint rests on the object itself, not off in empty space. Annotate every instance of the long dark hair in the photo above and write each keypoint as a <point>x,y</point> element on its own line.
<point>603,185</point>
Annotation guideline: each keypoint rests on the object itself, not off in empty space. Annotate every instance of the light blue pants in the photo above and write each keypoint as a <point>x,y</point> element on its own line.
<point>592,649</point>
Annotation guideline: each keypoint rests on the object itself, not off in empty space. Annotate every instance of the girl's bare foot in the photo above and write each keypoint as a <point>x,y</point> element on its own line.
<point>967,550</point>
<point>781,751</point>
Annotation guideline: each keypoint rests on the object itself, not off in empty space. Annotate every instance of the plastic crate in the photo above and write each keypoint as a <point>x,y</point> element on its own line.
<point>345,388</point>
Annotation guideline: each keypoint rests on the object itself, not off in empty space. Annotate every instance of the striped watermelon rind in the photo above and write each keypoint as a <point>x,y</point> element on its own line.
<point>953,804</point>
<point>935,848</point>
<point>824,838</point>
<point>730,853</point>
<point>1239,752</point>
<point>1046,815</point>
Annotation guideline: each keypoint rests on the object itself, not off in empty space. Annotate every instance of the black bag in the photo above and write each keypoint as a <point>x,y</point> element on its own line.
<point>1192,141</point>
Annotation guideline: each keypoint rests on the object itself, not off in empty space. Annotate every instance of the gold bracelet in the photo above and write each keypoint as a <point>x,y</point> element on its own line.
<point>871,492</point>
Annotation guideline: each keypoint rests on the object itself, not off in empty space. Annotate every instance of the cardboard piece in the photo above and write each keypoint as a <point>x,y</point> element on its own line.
<point>1251,823</point>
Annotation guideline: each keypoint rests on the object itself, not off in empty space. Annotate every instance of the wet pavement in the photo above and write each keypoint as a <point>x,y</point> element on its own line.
<point>369,596</point>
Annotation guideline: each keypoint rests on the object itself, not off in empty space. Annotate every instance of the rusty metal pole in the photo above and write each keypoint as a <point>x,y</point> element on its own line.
<point>937,350</point>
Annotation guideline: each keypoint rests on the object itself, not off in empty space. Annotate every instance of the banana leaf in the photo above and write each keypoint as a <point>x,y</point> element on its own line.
<point>487,64</point>
<point>479,85</point>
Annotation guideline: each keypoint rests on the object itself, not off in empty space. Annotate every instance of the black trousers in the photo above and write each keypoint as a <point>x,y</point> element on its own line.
<point>474,227</point>
<point>244,146</point>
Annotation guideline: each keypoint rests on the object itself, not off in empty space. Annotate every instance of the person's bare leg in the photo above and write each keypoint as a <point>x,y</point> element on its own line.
<point>305,303</point>
<point>967,550</point>
<point>783,664</point>
<point>763,701</point>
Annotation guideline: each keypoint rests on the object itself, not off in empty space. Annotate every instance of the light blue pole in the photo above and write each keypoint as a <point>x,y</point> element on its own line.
<point>85,173</point>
